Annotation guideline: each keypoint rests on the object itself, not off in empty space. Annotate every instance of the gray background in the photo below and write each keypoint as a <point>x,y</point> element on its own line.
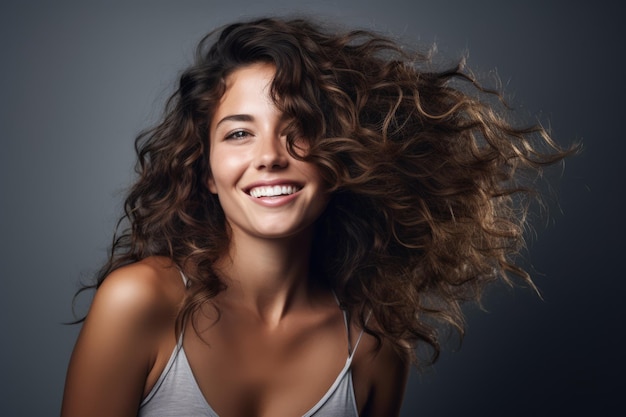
<point>78,80</point>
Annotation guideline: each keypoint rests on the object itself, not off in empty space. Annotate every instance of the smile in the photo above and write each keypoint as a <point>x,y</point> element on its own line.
<point>273,190</point>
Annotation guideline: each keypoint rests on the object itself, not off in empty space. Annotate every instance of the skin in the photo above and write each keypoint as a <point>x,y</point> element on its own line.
<point>280,341</point>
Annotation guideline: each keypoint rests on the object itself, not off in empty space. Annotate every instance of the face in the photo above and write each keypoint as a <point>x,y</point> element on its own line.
<point>264,191</point>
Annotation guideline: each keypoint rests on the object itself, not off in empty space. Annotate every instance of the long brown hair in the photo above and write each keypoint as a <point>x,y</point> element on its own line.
<point>427,174</point>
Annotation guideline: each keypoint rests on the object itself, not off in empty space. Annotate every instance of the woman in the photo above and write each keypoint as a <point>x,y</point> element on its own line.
<point>309,211</point>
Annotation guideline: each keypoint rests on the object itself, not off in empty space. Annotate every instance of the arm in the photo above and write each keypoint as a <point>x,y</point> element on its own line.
<point>387,373</point>
<point>116,347</point>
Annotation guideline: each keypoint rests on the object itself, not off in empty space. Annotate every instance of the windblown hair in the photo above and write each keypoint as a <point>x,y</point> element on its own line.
<point>428,175</point>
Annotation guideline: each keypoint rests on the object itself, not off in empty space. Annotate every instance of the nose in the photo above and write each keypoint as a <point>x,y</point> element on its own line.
<point>271,153</point>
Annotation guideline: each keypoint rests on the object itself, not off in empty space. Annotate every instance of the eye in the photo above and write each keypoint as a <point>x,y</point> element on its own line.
<point>237,134</point>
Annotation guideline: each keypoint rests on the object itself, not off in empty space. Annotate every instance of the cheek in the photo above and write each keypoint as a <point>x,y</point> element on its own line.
<point>312,173</point>
<point>226,169</point>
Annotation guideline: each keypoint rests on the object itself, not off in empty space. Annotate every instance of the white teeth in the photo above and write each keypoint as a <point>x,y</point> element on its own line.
<point>272,191</point>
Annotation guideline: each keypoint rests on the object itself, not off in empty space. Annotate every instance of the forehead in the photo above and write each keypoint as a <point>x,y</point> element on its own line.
<point>251,75</point>
<point>247,91</point>
<point>248,82</point>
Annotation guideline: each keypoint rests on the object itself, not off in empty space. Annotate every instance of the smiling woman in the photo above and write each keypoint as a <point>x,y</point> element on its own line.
<point>264,191</point>
<point>314,205</point>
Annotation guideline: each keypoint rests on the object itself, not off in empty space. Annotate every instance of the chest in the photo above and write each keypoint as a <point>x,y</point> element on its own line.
<point>243,369</point>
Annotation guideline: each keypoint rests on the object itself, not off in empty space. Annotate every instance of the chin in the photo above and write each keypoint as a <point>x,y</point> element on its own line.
<point>282,232</point>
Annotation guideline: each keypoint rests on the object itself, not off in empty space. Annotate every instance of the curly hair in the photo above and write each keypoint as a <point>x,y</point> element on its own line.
<point>428,175</point>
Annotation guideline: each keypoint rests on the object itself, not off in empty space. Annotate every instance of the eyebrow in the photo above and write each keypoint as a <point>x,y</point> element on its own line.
<point>236,118</point>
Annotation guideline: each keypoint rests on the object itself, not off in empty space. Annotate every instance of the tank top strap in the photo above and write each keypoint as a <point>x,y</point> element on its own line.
<point>358,339</point>
<point>351,349</point>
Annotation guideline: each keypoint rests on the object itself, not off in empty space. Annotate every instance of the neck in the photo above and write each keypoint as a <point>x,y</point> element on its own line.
<point>267,277</point>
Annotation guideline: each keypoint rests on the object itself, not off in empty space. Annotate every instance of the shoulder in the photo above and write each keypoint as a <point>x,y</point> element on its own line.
<point>140,290</point>
<point>135,303</point>
<point>132,312</point>
<point>380,375</point>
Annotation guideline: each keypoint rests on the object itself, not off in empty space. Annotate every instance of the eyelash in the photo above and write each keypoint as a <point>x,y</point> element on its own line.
<point>238,134</point>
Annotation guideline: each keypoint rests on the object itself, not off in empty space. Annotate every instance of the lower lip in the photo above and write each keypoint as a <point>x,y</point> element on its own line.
<point>274,201</point>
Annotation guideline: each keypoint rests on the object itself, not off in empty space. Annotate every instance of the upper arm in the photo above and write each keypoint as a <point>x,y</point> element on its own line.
<point>115,348</point>
<point>388,373</point>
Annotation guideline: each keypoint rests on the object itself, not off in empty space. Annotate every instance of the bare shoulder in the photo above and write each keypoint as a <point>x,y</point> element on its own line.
<point>380,375</point>
<point>139,290</point>
<point>133,309</point>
